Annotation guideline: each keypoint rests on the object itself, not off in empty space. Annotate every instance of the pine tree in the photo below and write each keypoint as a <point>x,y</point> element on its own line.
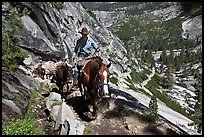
<point>198,115</point>
<point>168,80</point>
<point>171,56</point>
<point>182,52</point>
<point>153,105</point>
<point>161,68</point>
<point>198,106</point>
<point>12,54</point>
<point>185,71</point>
<point>163,56</point>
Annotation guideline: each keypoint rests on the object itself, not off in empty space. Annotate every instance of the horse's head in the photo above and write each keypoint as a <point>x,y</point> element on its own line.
<point>70,72</point>
<point>103,78</point>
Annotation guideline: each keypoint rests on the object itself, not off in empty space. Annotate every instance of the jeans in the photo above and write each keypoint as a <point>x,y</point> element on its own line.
<point>76,73</point>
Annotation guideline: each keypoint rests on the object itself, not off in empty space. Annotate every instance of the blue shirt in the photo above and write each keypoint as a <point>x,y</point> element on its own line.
<point>85,50</point>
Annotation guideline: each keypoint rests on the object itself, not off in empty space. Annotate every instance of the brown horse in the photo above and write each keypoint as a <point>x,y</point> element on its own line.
<point>94,77</point>
<point>62,75</point>
<point>40,71</point>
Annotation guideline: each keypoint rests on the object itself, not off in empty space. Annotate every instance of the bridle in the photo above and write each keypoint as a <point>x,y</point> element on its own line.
<point>103,84</point>
<point>100,85</point>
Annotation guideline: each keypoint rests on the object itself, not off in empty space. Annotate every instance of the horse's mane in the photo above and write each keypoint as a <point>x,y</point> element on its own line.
<point>98,60</point>
<point>94,58</point>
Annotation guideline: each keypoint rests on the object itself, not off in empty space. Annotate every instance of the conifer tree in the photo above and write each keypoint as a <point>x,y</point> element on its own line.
<point>163,56</point>
<point>198,106</point>
<point>12,54</point>
<point>168,80</point>
<point>153,105</point>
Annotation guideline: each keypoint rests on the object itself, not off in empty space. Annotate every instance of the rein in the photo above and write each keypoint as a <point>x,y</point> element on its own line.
<point>100,93</point>
<point>103,84</point>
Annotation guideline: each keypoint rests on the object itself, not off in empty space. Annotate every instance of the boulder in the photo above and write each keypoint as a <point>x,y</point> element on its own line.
<point>54,113</point>
<point>52,98</point>
<point>11,105</point>
<point>64,112</point>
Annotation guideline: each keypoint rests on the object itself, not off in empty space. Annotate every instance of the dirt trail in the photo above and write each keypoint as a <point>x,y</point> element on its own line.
<point>115,117</point>
<point>119,120</point>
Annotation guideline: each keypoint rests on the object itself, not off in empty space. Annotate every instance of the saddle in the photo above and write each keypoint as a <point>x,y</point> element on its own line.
<point>81,65</point>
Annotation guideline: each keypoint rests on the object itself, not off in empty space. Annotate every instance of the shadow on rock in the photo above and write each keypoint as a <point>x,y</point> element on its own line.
<point>152,130</point>
<point>171,132</point>
<point>118,112</point>
<point>130,100</point>
<point>63,94</point>
<point>80,107</point>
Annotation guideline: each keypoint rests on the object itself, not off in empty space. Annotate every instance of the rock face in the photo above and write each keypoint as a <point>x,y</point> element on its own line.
<point>52,32</point>
<point>16,89</point>
<point>192,28</point>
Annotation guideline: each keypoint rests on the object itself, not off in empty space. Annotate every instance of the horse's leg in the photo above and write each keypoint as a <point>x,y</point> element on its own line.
<point>47,76</point>
<point>81,89</point>
<point>95,107</point>
<point>59,84</point>
<point>43,73</point>
<point>40,72</point>
<point>80,85</point>
<point>62,89</point>
<point>85,93</point>
<point>68,88</point>
<point>52,79</point>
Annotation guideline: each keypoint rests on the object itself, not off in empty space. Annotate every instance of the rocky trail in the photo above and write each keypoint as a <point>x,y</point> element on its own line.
<point>120,114</point>
<point>124,113</point>
<point>51,31</point>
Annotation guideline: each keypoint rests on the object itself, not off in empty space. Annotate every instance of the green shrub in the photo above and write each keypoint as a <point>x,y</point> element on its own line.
<point>12,54</point>
<point>53,85</point>
<point>153,106</point>
<point>26,126</point>
<point>143,76</point>
<point>89,130</point>
<point>114,80</point>
<point>92,14</point>
<point>153,84</point>
<point>57,5</point>
<point>148,117</point>
<point>146,71</point>
<point>138,77</point>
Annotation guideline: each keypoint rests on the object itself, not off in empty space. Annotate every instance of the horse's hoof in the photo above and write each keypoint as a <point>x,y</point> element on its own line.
<point>106,96</point>
<point>93,117</point>
<point>89,114</point>
<point>85,98</point>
